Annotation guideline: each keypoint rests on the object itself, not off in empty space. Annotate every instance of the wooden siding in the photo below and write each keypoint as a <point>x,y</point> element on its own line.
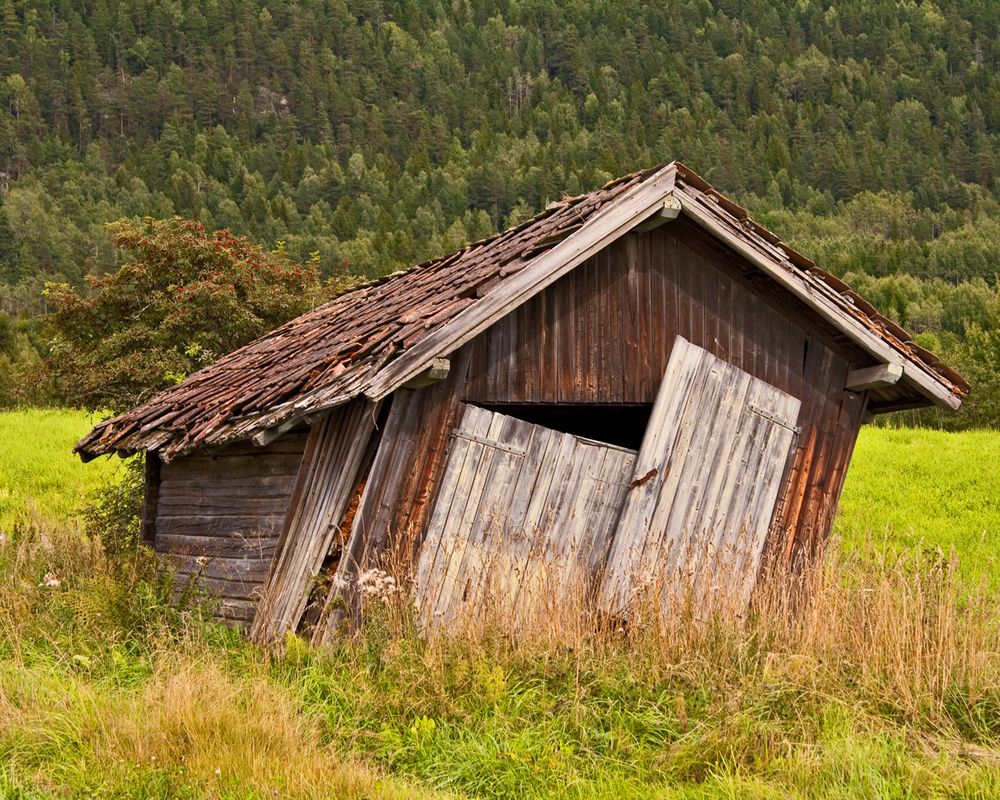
<point>604,334</point>
<point>328,476</point>
<point>392,515</point>
<point>525,515</point>
<point>601,334</point>
<point>219,515</point>
<point>695,518</point>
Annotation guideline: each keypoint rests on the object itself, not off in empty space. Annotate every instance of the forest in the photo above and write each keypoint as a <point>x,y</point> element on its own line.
<point>178,177</point>
<point>364,138</point>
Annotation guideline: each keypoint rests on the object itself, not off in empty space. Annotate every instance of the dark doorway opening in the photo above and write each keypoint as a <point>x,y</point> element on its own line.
<point>619,424</point>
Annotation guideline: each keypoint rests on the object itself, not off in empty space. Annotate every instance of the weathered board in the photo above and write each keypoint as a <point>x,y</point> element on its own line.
<point>649,288</point>
<point>327,479</point>
<point>524,515</point>
<point>709,471</point>
<point>218,518</point>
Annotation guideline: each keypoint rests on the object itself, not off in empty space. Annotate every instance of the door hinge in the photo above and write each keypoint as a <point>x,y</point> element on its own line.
<point>517,451</point>
<point>760,412</point>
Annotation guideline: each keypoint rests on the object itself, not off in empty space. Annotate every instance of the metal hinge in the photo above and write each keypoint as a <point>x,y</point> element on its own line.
<point>775,419</point>
<point>517,451</point>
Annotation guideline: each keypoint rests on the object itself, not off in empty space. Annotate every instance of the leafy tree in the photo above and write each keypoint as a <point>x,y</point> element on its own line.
<point>377,135</point>
<point>183,298</point>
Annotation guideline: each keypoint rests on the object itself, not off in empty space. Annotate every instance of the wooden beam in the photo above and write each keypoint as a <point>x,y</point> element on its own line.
<point>896,405</point>
<point>265,437</point>
<point>437,371</point>
<point>877,377</point>
<point>671,208</point>
<point>929,386</point>
<point>603,228</point>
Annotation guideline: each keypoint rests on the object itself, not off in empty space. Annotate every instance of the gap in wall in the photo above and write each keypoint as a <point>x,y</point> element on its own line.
<point>619,424</point>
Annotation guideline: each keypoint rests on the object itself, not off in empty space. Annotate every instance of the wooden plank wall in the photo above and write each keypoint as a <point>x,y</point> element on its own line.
<point>392,515</point>
<point>603,334</point>
<point>524,518</point>
<point>695,530</point>
<point>219,515</point>
<point>328,477</point>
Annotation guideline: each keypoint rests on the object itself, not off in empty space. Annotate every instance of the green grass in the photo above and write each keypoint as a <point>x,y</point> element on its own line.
<point>917,487</point>
<point>887,691</point>
<point>38,472</point>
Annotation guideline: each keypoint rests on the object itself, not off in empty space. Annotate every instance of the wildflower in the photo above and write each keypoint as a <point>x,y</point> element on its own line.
<point>3,539</point>
<point>218,772</point>
<point>376,583</point>
<point>50,580</point>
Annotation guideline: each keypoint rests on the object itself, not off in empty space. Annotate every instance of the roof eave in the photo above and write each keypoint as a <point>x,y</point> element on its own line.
<point>927,385</point>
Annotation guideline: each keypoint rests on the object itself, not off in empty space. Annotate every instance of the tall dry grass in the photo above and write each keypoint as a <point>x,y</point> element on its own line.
<point>898,633</point>
<point>878,668</point>
<point>106,689</point>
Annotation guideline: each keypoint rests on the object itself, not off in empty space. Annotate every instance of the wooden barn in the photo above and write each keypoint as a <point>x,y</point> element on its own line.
<point>634,378</point>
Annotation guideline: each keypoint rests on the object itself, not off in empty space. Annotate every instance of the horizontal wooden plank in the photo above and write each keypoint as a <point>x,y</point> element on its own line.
<point>219,587</point>
<point>243,466</point>
<point>173,506</point>
<point>222,484</point>
<point>245,568</point>
<point>217,546</point>
<point>220,525</point>
<point>290,443</point>
<point>230,610</point>
<point>877,377</point>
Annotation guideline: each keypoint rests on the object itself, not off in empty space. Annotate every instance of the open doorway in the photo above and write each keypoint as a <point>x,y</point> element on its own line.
<point>622,425</point>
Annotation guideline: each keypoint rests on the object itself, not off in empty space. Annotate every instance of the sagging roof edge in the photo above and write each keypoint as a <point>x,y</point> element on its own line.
<point>830,297</point>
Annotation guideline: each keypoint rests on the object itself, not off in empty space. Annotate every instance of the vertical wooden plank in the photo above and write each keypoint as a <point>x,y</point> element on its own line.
<point>713,493</point>
<point>685,474</point>
<point>649,310</point>
<point>327,479</point>
<point>617,274</point>
<point>652,469</point>
<point>486,533</point>
<point>737,353</point>
<point>511,543</point>
<point>566,374</point>
<point>446,575</point>
<point>606,369</point>
<point>450,484</point>
<point>150,498</point>
<point>631,320</point>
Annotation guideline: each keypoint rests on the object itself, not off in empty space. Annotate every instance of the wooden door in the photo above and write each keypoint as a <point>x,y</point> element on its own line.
<point>706,481</point>
<point>524,514</point>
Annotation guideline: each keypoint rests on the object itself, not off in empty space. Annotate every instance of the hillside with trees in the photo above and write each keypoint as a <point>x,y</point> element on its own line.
<point>369,136</point>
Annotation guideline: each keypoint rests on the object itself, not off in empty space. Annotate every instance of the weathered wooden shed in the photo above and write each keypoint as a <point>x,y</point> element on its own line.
<point>635,379</point>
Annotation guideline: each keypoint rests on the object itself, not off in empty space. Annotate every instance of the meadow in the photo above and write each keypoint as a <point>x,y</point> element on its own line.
<point>39,476</point>
<point>882,685</point>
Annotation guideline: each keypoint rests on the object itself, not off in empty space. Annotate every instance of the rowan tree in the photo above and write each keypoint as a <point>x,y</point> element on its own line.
<point>183,297</point>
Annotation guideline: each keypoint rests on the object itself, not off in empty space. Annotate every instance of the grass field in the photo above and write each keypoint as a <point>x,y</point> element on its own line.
<point>38,473</point>
<point>914,487</point>
<point>883,686</point>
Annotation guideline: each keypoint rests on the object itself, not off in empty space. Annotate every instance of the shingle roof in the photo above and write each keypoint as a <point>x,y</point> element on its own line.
<point>333,353</point>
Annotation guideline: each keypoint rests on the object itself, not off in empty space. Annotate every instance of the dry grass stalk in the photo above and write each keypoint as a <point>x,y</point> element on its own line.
<point>901,629</point>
